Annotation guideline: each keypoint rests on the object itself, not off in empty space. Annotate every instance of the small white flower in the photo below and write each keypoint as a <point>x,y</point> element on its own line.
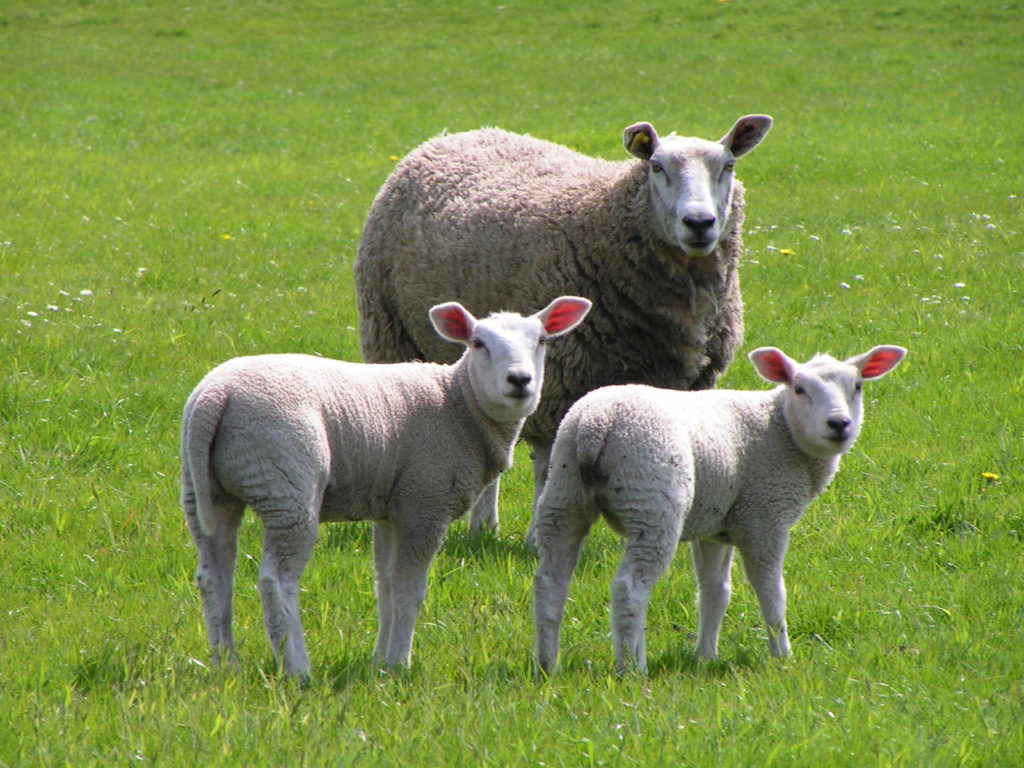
<point>959,285</point>
<point>85,292</point>
<point>845,232</point>
<point>845,285</point>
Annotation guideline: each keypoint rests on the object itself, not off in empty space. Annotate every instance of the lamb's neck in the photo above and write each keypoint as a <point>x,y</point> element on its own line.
<point>496,438</point>
<point>819,470</point>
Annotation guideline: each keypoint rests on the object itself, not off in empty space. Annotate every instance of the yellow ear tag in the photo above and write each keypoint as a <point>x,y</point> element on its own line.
<point>638,139</point>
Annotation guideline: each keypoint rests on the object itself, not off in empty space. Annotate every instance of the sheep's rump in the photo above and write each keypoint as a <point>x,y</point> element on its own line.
<point>500,221</point>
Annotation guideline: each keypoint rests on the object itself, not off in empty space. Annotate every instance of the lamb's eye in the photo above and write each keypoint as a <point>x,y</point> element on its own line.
<point>657,167</point>
<point>477,344</point>
<point>799,390</point>
<point>542,341</point>
<point>858,386</point>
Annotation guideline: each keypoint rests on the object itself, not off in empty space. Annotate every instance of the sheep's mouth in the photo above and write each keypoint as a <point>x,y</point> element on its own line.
<point>699,246</point>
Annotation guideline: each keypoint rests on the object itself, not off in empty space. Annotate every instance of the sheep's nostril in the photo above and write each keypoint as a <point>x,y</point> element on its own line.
<point>699,223</point>
<point>838,425</point>
<point>519,379</point>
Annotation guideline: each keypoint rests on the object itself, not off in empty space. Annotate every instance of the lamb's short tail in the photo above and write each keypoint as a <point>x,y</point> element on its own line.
<point>200,423</point>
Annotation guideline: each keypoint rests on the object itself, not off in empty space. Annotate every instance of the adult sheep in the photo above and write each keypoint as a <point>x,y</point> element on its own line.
<point>495,219</point>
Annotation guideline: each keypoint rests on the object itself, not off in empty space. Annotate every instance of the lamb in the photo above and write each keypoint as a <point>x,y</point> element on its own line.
<point>304,440</point>
<point>720,468</point>
<point>498,219</point>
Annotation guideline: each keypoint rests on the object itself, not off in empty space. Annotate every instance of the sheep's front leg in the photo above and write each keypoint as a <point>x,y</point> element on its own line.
<point>712,562</point>
<point>412,552</point>
<point>288,539</point>
<point>541,455</point>
<point>762,559</point>
<point>484,513</point>
<point>383,545</point>
<point>215,575</point>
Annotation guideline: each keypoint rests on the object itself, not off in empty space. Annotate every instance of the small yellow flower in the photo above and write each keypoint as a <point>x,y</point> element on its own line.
<point>227,237</point>
<point>393,158</point>
<point>990,476</point>
<point>787,252</point>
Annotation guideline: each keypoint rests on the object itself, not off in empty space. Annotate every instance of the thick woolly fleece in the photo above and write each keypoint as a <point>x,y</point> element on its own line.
<point>302,428</point>
<point>501,220</point>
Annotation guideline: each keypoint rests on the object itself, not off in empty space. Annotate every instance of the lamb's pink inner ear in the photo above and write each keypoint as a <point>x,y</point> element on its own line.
<point>565,314</point>
<point>880,362</point>
<point>453,322</point>
<point>772,365</point>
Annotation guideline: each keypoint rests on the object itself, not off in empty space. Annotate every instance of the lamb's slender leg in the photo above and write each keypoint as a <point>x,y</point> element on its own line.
<point>762,560</point>
<point>412,553</point>
<point>541,455</point>
<point>559,541</point>
<point>712,562</point>
<point>383,544</point>
<point>485,510</point>
<point>648,552</point>
<point>215,575</point>
<point>288,539</point>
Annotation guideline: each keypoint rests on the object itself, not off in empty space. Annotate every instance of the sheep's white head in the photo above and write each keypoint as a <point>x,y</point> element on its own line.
<point>823,398</point>
<point>690,180</point>
<point>506,350</point>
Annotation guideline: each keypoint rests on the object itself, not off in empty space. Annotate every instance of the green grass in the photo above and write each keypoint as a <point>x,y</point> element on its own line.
<point>182,184</point>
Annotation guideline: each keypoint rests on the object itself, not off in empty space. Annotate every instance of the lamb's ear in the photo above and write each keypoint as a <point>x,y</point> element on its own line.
<point>563,314</point>
<point>746,133</point>
<point>878,361</point>
<point>640,140</point>
<point>453,322</point>
<point>773,364</point>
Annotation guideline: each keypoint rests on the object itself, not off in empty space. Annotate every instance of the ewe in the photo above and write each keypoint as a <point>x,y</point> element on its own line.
<point>304,440</point>
<point>494,219</point>
<point>718,468</point>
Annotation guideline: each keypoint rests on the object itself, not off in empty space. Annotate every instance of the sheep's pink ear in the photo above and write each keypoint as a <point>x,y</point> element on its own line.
<point>563,314</point>
<point>640,140</point>
<point>453,321</point>
<point>773,364</point>
<point>878,361</point>
<point>746,133</point>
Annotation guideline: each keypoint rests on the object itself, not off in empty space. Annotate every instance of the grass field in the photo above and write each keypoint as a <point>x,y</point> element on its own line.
<point>179,185</point>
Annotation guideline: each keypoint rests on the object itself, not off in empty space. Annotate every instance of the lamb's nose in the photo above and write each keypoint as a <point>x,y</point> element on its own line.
<point>699,223</point>
<point>519,379</point>
<point>839,425</point>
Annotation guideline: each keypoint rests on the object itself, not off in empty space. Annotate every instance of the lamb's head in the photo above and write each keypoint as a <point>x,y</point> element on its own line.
<point>823,405</point>
<point>506,351</point>
<point>690,180</point>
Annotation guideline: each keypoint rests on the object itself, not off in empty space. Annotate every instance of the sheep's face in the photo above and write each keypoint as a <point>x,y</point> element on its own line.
<point>823,403</point>
<point>690,180</point>
<point>507,350</point>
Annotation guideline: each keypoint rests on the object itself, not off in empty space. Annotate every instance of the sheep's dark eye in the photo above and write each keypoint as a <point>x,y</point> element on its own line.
<point>477,344</point>
<point>858,386</point>
<point>657,167</point>
<point>799,390</point>
<point>542,341</point>
<point>729,167</point>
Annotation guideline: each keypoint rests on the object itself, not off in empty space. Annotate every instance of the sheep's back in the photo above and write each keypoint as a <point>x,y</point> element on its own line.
<point>501,221</point>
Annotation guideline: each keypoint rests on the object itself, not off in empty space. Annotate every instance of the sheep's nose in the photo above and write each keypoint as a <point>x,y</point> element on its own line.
<point>519,379</point>
<point>699,223</point>
<point>838,424</point>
